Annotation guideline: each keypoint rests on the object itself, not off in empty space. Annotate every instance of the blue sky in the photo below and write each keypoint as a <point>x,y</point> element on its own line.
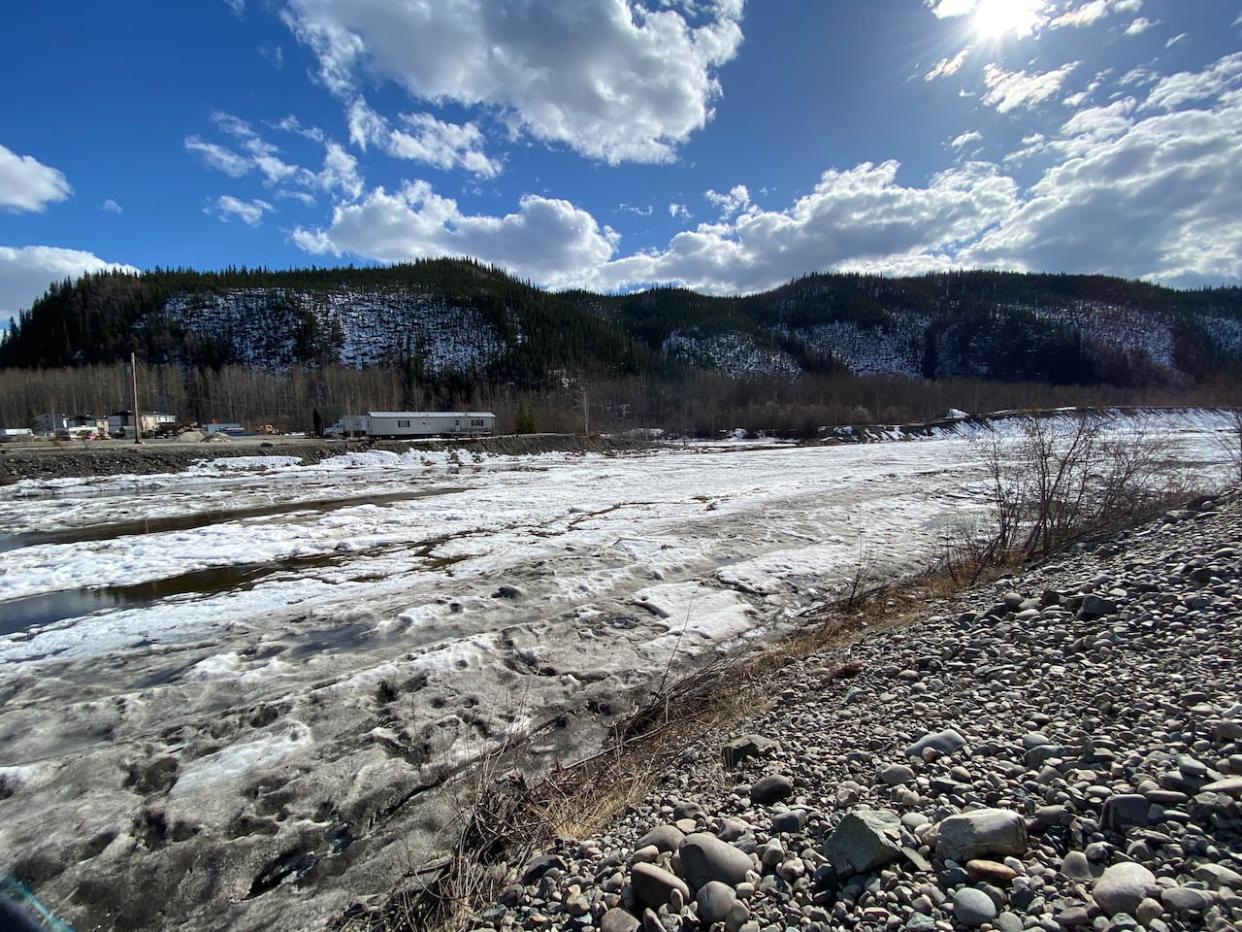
<point>725,145</point>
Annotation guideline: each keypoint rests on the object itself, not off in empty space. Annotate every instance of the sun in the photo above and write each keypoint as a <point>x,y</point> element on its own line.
<point>999,19</point>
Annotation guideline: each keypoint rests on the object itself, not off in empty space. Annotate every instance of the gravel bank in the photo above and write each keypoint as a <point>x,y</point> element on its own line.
<point>1062,749</point>
<point>47,462</point>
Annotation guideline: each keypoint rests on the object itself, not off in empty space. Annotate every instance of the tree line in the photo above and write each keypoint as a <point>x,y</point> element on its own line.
<point>696,404</point>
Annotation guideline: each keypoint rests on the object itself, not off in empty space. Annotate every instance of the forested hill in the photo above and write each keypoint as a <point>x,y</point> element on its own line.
<point>449,320</point>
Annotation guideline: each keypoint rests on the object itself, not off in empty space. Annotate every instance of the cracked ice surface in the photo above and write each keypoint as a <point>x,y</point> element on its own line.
<point>265,753</point>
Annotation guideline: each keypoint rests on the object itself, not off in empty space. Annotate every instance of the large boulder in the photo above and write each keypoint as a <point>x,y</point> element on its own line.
<point>864,840</point>
<point>1123,886</point>
<point>654,886</point>
<point>705,858</point>
<point>981,833</point>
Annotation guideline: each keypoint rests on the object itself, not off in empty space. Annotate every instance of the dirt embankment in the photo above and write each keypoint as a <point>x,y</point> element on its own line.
<point>47,461</point>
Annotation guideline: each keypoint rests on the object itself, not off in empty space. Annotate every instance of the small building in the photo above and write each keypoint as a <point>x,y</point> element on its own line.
<point>9,434</point>
<point>49,423</point>
<point>121,423</point>
<point>424,423</point>
<point>89,422</point>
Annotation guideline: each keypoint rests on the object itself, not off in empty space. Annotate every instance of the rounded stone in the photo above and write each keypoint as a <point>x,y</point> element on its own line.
<point>714,900</point>
<point>1122,887</point>
<point>705,858</point>
<point>973,907</point>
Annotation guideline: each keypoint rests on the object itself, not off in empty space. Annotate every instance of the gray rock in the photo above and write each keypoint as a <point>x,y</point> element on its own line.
<point>664,837</point>
<point>1126,810</point>
<point>1122,887</point>
<point>1095,607</point>
<point>943,742</point>
<point>745,747</point>
<point>538,866</point>
<point>654,886</point>
<point>1230,786</point>
<point>714,900</point>
<point>896,774</point>
<point>1076,867</point>
<point>973,907</point>
<point>864,840</point>
<point>705,858</point>
<point>1185,899</point>
<point>618,920</point>
<point>1216,876</point>
<point>1008,922</point>
<point>791,821</point>
<point>771,789</point>
<point>980,833</point>
<point>1148,910</point>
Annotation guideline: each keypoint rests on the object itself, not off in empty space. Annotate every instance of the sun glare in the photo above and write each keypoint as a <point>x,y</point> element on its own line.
<point>998,19</point>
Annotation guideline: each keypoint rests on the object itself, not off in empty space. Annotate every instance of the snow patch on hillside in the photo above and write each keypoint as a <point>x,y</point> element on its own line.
<point>274,326</point>
<point>733,354</point>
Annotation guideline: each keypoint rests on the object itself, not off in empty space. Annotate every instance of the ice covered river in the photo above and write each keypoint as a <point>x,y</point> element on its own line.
<point>238,697</point>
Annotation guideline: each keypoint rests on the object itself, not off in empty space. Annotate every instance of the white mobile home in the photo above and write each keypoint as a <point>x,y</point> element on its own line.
<point>429,423</point>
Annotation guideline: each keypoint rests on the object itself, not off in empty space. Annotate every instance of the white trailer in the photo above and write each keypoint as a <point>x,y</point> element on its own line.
<point>429,423</point>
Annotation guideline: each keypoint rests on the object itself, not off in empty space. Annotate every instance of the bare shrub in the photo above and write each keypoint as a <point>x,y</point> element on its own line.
<point>1230,441</point>
<point>1066,476</point>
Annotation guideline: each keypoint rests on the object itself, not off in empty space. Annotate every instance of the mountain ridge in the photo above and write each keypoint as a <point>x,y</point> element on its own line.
<point>445,320</point>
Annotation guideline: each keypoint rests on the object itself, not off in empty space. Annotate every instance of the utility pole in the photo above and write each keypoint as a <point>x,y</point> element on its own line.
<point>137,417</point>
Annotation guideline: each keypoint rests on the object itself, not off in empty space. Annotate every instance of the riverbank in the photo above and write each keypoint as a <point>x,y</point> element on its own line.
<point>49,460</point>
<point>1057,749</point>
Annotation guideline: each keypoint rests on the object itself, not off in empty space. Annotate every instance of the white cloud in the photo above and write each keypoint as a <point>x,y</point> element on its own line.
<point>1008,90</point>
<point>1159,197</point>
<point>646,211</point>
<point>737,198</point>
<point>112,207</point>
<point>1095,10</point>
<point>425,139</point>
<point>548,240</point>
<point>1180,37</point>
<point>26,271</point>
<point>856,219</point>
<point>1131,189</point>
<point>1185,87</point>
<point>948,66</point>
<point>339,174</point>
<point>612,79</point>
<point>237,6</point>
<point>1140,26</point>
<point>26,184</point>
<point>679,211</point>
<point>291,124</point>
<point>274,54</point>
<point>302,197</point>
<point>966,139</point>
<point>227,207</point>
<point>218,157</point>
